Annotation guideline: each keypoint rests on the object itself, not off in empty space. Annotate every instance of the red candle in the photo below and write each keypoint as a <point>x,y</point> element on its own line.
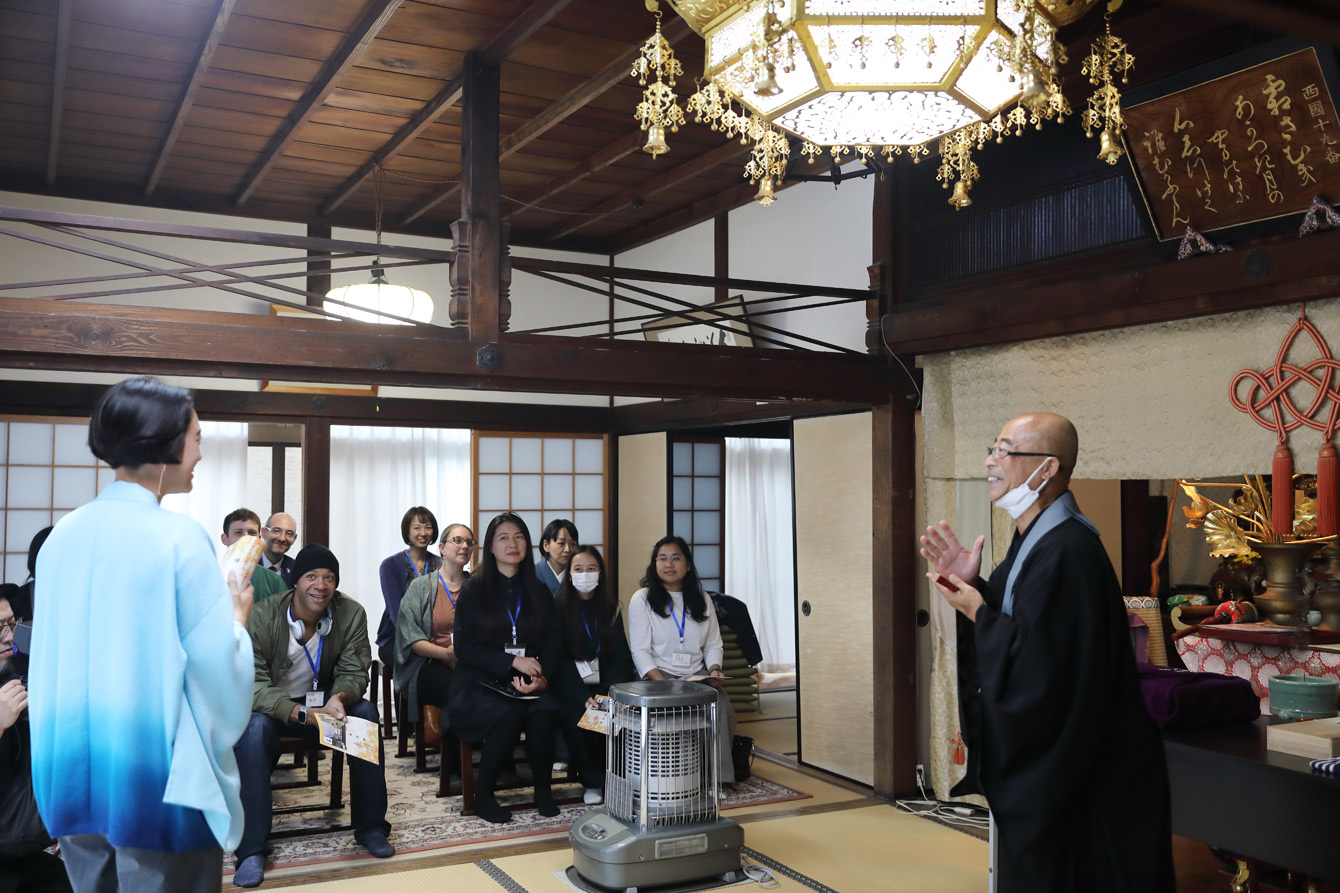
<point>1281,492</point>
<point>1328,491</point>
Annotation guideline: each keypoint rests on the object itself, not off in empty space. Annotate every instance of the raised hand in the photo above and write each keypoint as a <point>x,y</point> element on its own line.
<point>946,554</point>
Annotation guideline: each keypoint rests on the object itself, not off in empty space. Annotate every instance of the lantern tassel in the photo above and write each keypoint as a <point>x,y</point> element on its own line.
<point>1328,491</point>
<point>1281,492</point>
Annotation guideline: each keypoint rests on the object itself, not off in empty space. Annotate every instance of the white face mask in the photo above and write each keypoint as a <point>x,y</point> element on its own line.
<point>586,581</point>
<point>1021,498</point>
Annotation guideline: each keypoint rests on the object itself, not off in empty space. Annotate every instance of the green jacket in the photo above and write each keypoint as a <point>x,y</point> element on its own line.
<point>346,656</point>
<point>265,583</point>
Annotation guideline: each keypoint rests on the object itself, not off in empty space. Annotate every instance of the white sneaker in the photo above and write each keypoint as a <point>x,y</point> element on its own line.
<point>560,767</point>
<point>593,797</point>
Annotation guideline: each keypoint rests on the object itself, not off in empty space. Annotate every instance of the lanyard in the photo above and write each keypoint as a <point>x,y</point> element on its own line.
<point>680,621</point>
<point>414,567</point>
<point>446,589</point>
<point>515,616</point>
<point>595,640</point>
<point>321,643</point>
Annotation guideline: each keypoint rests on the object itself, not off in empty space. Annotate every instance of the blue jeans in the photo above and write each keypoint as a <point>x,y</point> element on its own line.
<point>257,754</point>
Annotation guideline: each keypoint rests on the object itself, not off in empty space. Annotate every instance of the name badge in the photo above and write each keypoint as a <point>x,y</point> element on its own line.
<point>515,650</point>
<point>681,660</point>
<point>316,699</point>
<point>589,670</point>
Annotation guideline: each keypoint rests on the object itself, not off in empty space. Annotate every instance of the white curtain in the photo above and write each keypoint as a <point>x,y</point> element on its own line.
<point>375,475</point>
<point>220,483</point>
<point>760,557</point>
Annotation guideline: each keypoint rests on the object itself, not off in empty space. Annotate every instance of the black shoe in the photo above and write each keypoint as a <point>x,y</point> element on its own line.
<point>545,805</point>
<point>488,809</point>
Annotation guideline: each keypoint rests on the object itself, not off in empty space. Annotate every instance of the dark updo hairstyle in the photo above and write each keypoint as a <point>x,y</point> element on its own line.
<point>485,589</point>
<point>569,602</point>
<point>422,514</point>
<point>140,421</point>
<point>657,596</point>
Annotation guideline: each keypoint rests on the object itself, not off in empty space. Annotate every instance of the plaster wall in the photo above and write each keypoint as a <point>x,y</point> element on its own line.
<point>642,507</point>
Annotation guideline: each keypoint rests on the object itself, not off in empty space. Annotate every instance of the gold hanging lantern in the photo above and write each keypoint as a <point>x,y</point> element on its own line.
<point>659,108</point>
<point>1107,57</point>
<point>765,195</point>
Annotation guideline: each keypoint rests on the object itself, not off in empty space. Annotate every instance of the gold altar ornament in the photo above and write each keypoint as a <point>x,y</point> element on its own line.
<point>1107,57</point>
<point>659,108</point>
<point>858,78</point>
<point>1242,524</point>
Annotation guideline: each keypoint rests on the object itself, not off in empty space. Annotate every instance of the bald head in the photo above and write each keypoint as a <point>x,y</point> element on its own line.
<point>1047,432</point>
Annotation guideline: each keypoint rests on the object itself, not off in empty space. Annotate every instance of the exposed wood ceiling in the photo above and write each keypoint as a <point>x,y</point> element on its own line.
<point>285,110</point>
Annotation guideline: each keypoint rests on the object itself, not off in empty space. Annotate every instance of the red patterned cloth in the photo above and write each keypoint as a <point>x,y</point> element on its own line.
<point>1255,663</point>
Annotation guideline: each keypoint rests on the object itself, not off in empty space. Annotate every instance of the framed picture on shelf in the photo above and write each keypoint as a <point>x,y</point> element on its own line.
<point>705,326</point>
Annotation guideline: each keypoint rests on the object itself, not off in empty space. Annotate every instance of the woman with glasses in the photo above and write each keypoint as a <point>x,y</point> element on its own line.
<point>508,647</point>
<point>425,656</point>
<point>596,656</point>
<point>418,530</point>
<point>673,633</point>
<point>142,670</point>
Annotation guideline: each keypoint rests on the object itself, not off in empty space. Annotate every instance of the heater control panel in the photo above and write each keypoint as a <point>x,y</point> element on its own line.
<point>600,830</point>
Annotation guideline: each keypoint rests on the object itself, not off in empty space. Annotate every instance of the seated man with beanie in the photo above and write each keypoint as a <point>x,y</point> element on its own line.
<point>312,657</point>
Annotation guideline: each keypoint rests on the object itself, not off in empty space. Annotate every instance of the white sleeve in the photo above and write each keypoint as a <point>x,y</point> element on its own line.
<point>639,633</point>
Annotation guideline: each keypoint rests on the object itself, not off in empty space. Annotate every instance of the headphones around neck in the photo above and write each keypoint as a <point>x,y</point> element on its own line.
<point>323,625</point>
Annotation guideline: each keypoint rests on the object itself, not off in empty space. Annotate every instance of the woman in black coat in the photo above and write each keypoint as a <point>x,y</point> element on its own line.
<point>596,656</point>
<point>508,647</point>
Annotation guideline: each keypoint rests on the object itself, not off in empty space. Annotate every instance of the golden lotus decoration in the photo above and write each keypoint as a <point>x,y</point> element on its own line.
<point>1237,527</point>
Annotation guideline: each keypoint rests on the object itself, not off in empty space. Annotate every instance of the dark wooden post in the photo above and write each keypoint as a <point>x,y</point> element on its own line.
<point>1138,541</point>
<point>316,480</point>
<point>893,504</point>
<point>318,266</point>
<point>480,199</point>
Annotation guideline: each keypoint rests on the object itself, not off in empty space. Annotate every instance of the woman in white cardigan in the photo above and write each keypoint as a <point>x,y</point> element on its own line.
<point>673,633</point>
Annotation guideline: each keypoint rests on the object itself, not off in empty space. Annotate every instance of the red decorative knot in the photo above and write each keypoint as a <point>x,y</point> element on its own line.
<point>1268,401</point>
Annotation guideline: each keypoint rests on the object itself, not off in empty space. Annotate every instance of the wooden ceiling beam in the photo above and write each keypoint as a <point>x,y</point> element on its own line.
<point>614,152</point>
<point>372,21</point>
<point>41,334</point>
<point>521,29</point>
<point>203,58</point>
<point>555,114</point>
<point>59,61</point>
<point>1317,20</point>
<point>1156,289</point>
<point>730,151</point>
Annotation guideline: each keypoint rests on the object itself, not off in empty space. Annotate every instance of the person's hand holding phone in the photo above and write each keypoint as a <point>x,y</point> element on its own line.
<point>13,701</point>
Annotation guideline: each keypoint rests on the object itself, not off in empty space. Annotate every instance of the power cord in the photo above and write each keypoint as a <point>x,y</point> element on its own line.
<point>949,813</point>
<point>758,873</point>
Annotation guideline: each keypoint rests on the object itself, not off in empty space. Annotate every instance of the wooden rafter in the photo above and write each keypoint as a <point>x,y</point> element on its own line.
<point>203,57</point>
<point>61,55</point>
<point>100,337</point>
<point>603,158</point>
<point>555,114</point>
<point>723,154</point>
<point>1152,290</point>
<point>521,29</point>
<point>372,21</point>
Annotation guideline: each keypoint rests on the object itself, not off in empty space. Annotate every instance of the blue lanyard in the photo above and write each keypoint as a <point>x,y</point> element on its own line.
<point>680,621</point>
<point>515,616</point>
<point>320,643</point>
<point>446,589</point>
<point>595,640</point>
<point>414,567</point>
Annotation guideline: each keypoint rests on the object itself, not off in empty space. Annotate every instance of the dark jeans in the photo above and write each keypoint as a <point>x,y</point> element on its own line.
<point>503,739</point>
<point>258,752</point>
<point>586,749</point>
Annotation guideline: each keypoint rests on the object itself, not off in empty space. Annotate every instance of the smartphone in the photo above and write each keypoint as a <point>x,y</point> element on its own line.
<point>23,638</point>
<point>944,581</point>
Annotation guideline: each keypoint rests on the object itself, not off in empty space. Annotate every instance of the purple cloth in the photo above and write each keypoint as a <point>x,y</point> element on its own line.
<point>1181,699</point>
<point>1139,637</point>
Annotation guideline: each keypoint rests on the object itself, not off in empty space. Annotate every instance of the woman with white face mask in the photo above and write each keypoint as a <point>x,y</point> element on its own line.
<point>597,657</point>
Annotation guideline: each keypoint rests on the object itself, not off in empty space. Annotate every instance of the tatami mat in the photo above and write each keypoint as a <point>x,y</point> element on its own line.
<point>871,848</point>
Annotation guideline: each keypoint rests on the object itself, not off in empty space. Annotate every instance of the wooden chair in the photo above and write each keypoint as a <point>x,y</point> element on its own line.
<point>467,788</point>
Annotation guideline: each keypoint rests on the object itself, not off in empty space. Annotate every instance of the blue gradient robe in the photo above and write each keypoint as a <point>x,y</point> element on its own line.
<point>140,681</point>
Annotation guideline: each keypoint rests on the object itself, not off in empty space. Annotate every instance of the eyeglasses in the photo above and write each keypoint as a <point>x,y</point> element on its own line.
<point>1001,452</point>
<point>279,531</point>
<point>457,541</point>
<point>9,624</point>
<point>669,559</point>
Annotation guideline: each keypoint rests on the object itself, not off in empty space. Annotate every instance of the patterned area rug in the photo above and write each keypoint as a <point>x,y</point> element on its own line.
<point>421,821</point>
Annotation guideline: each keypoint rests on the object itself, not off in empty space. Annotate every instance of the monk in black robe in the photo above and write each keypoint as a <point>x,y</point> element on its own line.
<point>1059,740</point>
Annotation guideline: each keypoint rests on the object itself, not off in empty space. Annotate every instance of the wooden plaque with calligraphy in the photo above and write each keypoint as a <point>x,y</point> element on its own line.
<point>1249,146</point>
